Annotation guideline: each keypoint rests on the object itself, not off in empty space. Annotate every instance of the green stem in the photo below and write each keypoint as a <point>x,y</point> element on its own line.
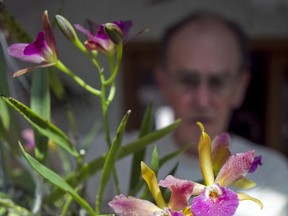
<point>77,79</point>
<point>116,67</point>
<point>111,93</point>
<point>66,206</point>
<point>105,102</point>
<point>90,55</point>
<point>104,107</point>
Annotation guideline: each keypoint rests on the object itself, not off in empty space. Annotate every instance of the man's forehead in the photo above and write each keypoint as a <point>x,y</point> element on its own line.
<point>203,26</point>
<point>197,73</point>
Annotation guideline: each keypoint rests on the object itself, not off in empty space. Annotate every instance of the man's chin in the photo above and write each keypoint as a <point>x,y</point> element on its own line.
<point>193,130</point>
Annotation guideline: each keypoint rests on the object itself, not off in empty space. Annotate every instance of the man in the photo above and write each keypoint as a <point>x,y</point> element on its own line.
<point>203,76</point>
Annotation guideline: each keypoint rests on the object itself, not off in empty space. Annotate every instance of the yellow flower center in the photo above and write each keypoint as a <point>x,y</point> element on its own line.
<point>213,192</point>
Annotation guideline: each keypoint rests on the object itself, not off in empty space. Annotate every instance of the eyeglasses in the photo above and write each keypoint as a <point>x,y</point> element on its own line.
<point>190,81</point>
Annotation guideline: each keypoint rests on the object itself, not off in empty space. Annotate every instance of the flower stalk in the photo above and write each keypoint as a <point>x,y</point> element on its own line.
<point>76,78</point>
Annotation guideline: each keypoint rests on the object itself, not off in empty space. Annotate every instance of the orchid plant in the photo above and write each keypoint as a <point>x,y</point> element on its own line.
<point>62,192</point>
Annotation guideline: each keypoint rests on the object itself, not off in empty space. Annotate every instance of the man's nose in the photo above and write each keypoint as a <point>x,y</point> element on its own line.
<point>202,95</point>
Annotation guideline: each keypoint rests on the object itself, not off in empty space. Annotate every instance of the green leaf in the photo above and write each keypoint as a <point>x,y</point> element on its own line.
<point>155,160</point>
<point>9,125</point>
<point>95,165</point>
<point>12,26</point>
<point>91,135</point>
<point>4,114</point>
<point>9,135</point>
<point>146,127</point>
<point>111,159</point>
<point>45,127</point>
<point>14,208</point>
<point>144,141</point>
<point>56,85</point>
<point>55,179</point>
<point>41,104</point>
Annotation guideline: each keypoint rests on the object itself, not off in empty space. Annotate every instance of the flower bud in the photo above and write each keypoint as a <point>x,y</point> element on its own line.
<point>114,33</point>
<point>66,28</point>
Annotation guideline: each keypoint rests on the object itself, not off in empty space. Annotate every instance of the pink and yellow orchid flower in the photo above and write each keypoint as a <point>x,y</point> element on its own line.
<point>177,206</point>
<point>214,198</point>
<point>106,36</point>
<point>41,51</point>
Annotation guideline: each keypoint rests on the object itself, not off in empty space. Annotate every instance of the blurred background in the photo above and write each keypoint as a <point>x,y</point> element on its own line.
<point>263,118</point>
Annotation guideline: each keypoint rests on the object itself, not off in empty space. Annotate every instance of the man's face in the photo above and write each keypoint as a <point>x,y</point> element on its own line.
<point>202,81</point>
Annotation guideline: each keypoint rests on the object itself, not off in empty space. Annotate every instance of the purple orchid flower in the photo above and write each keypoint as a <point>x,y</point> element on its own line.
<point>106,36</point>
<point>41,51</point>
<point>28,136</point>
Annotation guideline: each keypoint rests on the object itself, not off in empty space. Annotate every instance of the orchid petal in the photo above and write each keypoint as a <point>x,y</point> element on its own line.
<point>26,70</point>
<point>151,180</point>
<point>123,205</point>
<point>256,163</point>
<point>17,51</point>
<point>124,26</point>
<point>84,30</point>
<point>243,196</point>
<point>49,36</point>
<point>187,211</point>
<point>244,183</point>
<point>198,188</point>
<point>204,150</point>
<point>181,191</point>
<point>105,46</point>
<point>39,49</point>
<point>220,151</point>
<point>224,204</point>
<point>172,213</point>
<point>235,167</point>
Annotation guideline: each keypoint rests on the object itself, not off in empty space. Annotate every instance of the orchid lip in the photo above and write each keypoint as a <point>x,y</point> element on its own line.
<point>213,191</point>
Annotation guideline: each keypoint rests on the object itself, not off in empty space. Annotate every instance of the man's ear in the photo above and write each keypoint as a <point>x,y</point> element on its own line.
<point>241,88</point>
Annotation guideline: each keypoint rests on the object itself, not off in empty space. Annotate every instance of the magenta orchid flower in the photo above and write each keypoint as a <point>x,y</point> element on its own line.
<point>106,36</point>
<point>41,51</point>
<point>28,136</point>
<point>215,198</point>
<point>177,206</point>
